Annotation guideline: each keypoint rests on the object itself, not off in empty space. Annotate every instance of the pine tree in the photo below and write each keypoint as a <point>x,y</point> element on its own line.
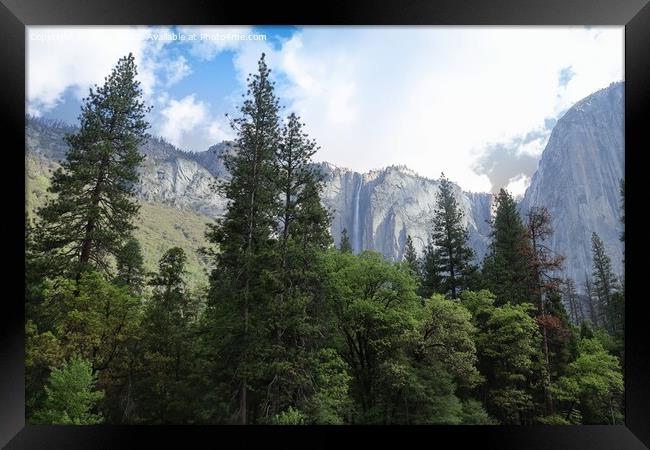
<point>130,266</point>
<point>163,389</point>
<point>345,246</point>
<point>240,291</point>
<point>303,232</point>
<point>605,282</point>
<point>91,216</point>
<point>450,237</point>
<point>543,263</point>
<point>505,270</point>
<point>431,279</point>
<point>410,256</point>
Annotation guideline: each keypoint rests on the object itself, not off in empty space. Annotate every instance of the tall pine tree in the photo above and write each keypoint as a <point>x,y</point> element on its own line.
<point>430,272</point>
<point>605,283</point>
<point>163,389</point>
<point>91,216</point>
<point>450,237</point>
<point>505,271</point>
<point>130,266</point>
<point>240,288</point>
<point>410,256</point>
<point>303,233</point>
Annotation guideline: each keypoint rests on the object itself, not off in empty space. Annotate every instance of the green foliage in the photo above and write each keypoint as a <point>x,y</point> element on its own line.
<point>508,343</point>
<point>130,266</point>
<point>405,357</point>
<point>374,305</point>
<point>70,395</point>
<point>303,232</point>
<point>167,346</point>
<point>159,226</point>
<point>593,385</point>
<point>448,338</point>
<point>474,414</point>
<point>289,417</point>
<point>42,351</point>
<point>93,318</point>
<point>330,404</point>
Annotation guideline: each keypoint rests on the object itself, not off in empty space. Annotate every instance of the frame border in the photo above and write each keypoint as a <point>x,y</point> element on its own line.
<point>15,15</point>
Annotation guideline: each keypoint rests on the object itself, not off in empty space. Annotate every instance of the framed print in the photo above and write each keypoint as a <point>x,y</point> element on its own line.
<point>360,221</point>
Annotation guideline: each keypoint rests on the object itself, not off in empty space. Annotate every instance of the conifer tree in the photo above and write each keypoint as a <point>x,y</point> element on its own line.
<point>450,237</point>
<point>240,291</point>
<point>130,266</point>
<point>431,278</point>
<point>303,232</point>
<point>410,256</point>
<point>91,216</point>
<point>605,282</point>
<point>505,270</point>
<point>345,246</point>
<point>163,388</point>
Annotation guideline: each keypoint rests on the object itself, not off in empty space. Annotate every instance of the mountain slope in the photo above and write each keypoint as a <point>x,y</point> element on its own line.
<point>160,226</point>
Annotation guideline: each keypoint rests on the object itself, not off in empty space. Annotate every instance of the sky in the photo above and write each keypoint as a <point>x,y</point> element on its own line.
<point>477,103</point>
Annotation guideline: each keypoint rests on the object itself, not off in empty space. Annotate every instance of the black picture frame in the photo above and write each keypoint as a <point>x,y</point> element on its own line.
<point>15,15</point>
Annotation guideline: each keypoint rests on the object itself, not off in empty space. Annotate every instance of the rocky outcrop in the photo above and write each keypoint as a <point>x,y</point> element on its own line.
<point>578,180</point>
<point>381,208</point>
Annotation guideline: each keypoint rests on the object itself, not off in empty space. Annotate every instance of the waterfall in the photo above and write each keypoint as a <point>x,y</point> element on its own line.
<point>356,236</point>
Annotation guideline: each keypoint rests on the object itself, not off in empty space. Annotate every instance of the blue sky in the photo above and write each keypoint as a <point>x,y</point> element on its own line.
<point>475,102</point>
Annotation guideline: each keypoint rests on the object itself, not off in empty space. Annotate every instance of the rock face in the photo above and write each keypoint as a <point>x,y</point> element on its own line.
<point>578,180</point>
<point>381,208</point>
<point>182,179</point>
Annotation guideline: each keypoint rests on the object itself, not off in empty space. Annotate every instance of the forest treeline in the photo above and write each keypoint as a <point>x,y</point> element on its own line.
<point>293,329</point>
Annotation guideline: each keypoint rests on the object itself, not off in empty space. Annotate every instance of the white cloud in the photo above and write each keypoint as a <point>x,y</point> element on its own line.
<point>188,124</point>
<point>517,186</point>
<point>61,58</point>
<point>174,69</point>
<point>433,97</point>
<point>218,131</point>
